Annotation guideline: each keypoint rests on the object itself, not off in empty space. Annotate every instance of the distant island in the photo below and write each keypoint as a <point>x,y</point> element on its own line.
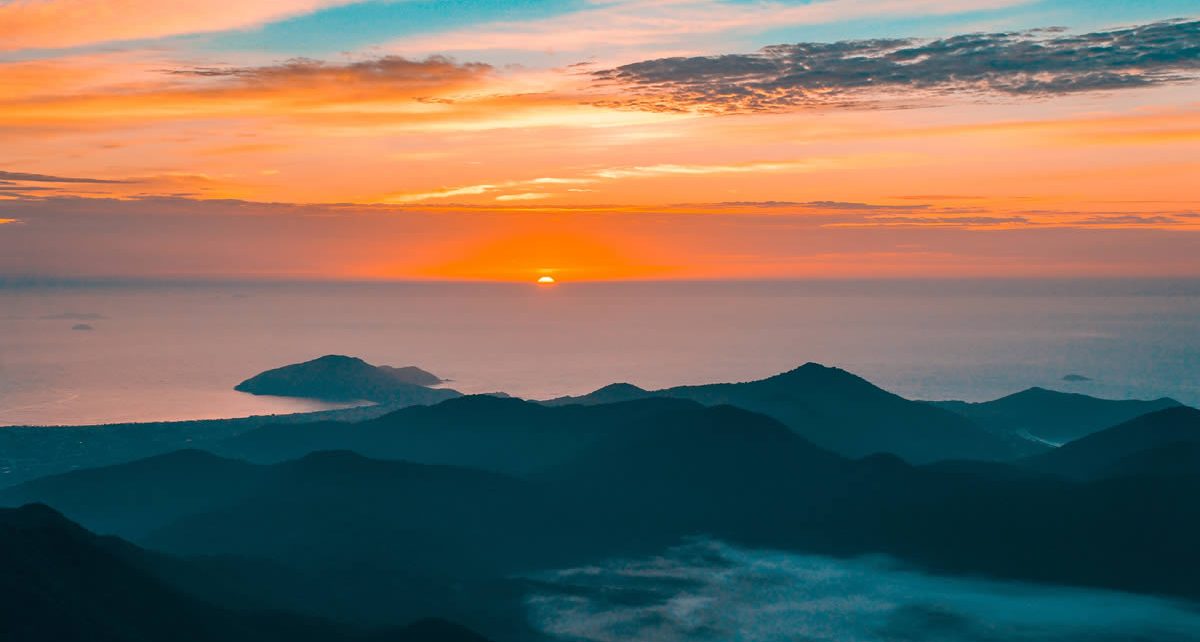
<point>342,378</point>
<point>1076,378</point>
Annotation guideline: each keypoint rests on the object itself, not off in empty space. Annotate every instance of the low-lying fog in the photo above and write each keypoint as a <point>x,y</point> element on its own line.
<point>708,591</point>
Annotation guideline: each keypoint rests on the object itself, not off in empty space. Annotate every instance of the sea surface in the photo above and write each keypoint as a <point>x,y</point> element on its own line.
<point>96,352</point>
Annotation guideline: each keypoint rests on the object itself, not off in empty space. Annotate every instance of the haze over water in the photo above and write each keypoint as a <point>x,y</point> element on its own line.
<point>161,351</point>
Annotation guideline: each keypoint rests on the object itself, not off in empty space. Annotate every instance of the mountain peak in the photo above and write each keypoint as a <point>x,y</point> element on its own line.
<point>812,368</point>
<point>336,359</point>
<point>816,374</point>
<point>34,516</point>
<point>620,387</point>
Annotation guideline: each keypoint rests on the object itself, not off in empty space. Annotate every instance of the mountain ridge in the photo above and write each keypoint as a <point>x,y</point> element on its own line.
<point>1052,415</point>
<point>63,583</point>
<point>1118,449</point>
<point>842,412</point>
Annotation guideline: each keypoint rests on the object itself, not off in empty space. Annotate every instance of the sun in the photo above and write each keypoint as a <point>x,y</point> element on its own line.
<point>546,280</point>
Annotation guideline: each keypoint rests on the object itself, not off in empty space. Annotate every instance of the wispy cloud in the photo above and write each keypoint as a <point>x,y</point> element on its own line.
<point>938,221</point>
<point>11,177</point>
<point>382,95</point>
<point>163,236</point>
<point>524,196</point>
<point>648,171</point>
<point>450,192</point>
<point>431,72</point>
<point>858,72</point>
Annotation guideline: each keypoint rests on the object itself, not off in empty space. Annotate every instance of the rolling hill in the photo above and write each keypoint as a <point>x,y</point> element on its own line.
<point>1049,415</point>
<point>630,478</point>
<point>62,583</point>
<point>844,413</point>
<point>1162,442</point>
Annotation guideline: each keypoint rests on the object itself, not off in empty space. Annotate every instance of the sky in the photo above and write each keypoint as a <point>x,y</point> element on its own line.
<point>599,139</point>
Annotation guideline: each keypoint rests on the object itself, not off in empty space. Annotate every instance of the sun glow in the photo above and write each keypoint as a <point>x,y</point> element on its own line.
<point>546,280</point>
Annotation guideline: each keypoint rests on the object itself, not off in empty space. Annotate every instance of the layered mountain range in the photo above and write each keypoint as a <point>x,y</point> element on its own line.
<point>450,510</point>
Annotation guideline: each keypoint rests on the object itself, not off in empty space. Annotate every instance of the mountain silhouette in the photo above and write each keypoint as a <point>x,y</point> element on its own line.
<point>62,583</point>
<point>133,498</point>
<point>865,420</point>
<point>843,413</point>
<point>29,452</point>
<point>583,483</point>
<point>1162,442</point>
<point>1174,459</point>
<point>504,435</point>
<point>1056,417</point>
<point>328,497</point>
<point>342,378</point>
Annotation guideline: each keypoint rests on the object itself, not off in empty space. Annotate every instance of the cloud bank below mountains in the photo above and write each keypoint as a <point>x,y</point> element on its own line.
<point>709,592</point>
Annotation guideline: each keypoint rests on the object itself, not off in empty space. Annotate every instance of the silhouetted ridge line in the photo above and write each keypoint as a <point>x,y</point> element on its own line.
<point>61,583</point>
<point>1054,416</point>
<point>1134,447</point>
<point>843,412</point>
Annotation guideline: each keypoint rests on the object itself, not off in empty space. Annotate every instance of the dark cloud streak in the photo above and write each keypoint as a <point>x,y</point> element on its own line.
<point>386,69</point>
<point>10,178</point>
<point>858,73</point>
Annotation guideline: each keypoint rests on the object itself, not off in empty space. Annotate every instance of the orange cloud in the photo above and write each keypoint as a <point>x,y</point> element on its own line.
<point>389,95</point>
<point>646,171</point>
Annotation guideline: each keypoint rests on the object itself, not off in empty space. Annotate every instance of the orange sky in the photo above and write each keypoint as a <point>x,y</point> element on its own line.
<point>158,158</point>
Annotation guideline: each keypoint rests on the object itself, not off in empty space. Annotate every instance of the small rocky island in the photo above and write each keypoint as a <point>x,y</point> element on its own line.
<point>341,378</point>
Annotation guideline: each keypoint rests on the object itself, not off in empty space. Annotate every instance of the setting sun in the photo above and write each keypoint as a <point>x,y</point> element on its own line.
<point>546,280</point>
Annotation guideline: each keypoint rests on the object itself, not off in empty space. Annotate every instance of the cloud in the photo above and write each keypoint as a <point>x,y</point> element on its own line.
<point>940,221</point>
<point>668,169</point>
<point>524,196</point>
<point>434,72</point>
<point>385,95</point>
<point>164,237</point>
<point>10,178</point>
<point>648,171</point>
<point>821,205</point>
<point>29,24</point>
<point>710,592</point>
<point>1130,219</point>
<point>466,190</point>
<point>860,72</point>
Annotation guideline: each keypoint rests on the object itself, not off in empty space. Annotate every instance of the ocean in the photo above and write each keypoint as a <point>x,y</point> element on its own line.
<point>99,352</point>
